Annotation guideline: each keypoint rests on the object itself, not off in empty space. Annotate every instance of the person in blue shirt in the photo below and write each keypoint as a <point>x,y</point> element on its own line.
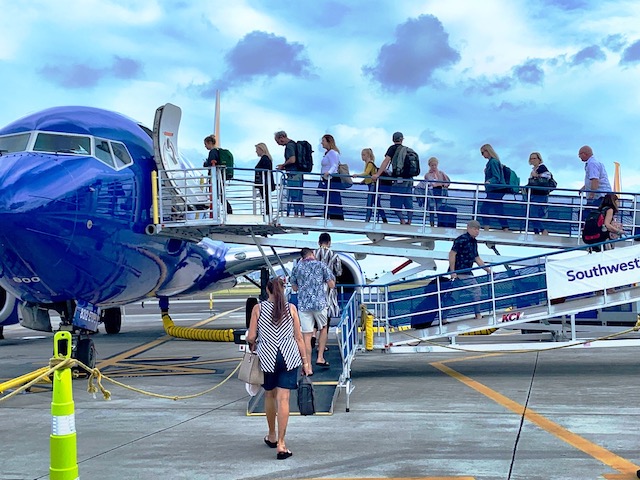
<point>308,278</point>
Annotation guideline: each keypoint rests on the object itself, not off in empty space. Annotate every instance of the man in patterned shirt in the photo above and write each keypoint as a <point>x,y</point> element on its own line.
<point>308,279</point>
<point>461,257</point>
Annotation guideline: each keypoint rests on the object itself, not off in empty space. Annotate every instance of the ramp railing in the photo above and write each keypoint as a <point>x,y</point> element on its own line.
<point>436,306</point>
<point>348,341</point>
<point>201,196</point>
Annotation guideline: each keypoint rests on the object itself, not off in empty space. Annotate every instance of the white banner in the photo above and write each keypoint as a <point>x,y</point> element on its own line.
<point>592,272</point>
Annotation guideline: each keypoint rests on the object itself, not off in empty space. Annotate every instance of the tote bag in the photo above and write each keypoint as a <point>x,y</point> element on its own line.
<point>250,371</point>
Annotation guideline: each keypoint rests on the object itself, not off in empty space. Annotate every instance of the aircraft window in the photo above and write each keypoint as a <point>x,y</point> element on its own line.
<point>122,156</point>
<point>59,143</point>
<point>14,143</point>
<point>103,152</point>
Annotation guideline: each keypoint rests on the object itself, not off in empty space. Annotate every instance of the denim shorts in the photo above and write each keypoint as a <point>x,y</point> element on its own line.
<point>281,377</point>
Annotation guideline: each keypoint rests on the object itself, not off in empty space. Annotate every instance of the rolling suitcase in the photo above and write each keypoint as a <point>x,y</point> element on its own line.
<point>447,216</point>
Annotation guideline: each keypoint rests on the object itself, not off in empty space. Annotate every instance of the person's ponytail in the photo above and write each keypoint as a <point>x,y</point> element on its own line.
<point>276,288</point>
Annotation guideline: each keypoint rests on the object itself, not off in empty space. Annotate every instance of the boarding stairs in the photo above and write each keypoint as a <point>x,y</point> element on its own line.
<point>436,314</point>
<point>191,204</point>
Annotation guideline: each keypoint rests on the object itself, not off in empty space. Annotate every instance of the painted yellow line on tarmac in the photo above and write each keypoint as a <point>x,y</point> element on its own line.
<point>614,461</point>
<point>398,478</point>
<point>150,345</point>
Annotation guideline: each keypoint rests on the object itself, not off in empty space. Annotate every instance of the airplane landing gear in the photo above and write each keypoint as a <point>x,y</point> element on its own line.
<point>85,352</point>
<point>112,320</point>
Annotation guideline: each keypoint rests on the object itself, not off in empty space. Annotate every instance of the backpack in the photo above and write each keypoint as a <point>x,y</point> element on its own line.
<point>405,163</point>
<point>226,160</point>
<point>304,156</point>
<point>594,230</point>
<point>510,178</point>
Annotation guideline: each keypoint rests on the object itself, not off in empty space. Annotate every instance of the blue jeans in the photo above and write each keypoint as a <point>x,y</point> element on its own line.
<point>537,212</point>
<point>402,196</point>
<point>294,193</point>
<point>370,199</point>
<point>494,208</point>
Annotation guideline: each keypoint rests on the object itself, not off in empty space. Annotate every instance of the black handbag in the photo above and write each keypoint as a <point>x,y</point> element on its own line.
<point>548,184</point>
<point>306,401</point>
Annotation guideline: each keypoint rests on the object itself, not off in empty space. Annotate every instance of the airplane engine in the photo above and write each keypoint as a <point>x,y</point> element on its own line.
<point>351,272</point>
<point>8,308</point>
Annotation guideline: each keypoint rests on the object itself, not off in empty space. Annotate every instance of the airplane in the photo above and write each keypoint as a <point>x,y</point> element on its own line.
<point>75,207</point>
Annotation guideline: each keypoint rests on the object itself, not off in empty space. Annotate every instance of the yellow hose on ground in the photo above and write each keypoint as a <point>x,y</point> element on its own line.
<point>205,335</point>
<point>16,382</point>
<point>485,331</point>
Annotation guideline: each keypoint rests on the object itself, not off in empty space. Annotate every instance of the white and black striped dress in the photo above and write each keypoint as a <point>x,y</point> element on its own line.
<point>272,338</point>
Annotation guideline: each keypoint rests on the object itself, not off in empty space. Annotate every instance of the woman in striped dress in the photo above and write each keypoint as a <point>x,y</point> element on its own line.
<point>275,335</point>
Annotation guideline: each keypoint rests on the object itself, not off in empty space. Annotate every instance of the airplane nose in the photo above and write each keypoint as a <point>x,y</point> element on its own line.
<point>38,210</point>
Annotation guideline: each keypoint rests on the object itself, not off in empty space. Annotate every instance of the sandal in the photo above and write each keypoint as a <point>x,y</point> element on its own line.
<point>323,364</point>
<point>270,443</point>
<point>284,455</point>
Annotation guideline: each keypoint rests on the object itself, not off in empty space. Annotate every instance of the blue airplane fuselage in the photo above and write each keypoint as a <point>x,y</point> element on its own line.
<point>72,227</point>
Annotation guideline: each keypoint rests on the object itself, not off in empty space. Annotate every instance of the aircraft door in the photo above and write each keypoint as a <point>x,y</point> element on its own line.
<point>185,184</point>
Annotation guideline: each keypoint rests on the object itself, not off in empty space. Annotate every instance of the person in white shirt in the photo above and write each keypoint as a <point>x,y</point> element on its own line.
<point>329,166</point>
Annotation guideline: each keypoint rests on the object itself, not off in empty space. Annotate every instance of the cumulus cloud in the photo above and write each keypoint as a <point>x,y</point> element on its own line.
<point>261,54</point>
<point>615,43</point>
<point>78,75</point>
<point>631,54</point>
<point>529,72</point>
<point>421,47</point>
<point>588,55</point>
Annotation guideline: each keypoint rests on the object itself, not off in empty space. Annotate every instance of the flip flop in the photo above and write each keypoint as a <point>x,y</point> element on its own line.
<point>323,364</point>
<point>270,444</point>
<point>284,455</point>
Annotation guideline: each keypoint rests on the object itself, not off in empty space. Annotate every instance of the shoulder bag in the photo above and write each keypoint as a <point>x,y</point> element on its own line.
<point>250,370</point>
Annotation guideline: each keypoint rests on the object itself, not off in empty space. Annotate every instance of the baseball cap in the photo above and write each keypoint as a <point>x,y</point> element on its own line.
<point>398,136</point>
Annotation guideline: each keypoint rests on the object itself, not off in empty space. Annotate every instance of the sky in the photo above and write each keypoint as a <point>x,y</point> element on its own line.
<point>523,75</point>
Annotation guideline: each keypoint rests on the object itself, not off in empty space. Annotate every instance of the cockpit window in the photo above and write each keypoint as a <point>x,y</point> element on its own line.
<point>109,152</point>
<point>103,152</point>
<point>121,154</point>
<point>14,143</point>
<point>60,143</point>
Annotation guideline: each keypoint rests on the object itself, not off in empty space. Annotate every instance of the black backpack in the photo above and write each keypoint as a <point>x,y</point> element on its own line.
<point>405,163</point>
<point>594,230</point>
<point>304,156</point>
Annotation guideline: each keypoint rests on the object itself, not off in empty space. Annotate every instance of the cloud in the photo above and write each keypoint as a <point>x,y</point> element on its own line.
<point>78,75</point>
<point>568,4</point>
<point>421,48</point>
<point>615,43</point>
<point>529,72</point>
<point>588,55</point>
<point>261,54</point>
<point>631,54</point>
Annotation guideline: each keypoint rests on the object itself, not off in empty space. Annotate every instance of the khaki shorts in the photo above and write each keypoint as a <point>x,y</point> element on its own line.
<point>312,318</point>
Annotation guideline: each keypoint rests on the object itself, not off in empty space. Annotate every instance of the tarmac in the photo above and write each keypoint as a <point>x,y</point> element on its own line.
<point>560,414</point>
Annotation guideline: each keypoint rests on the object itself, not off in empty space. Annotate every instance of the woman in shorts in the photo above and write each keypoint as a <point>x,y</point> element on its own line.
<point>275,335</point>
